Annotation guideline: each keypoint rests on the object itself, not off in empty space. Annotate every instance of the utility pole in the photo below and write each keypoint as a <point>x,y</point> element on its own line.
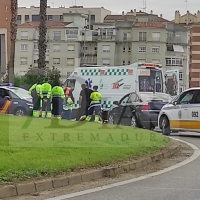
<point>144,5</point>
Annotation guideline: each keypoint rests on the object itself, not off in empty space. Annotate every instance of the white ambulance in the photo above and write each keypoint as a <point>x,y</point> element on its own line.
<point>116,81</point>
<point>182,114</point>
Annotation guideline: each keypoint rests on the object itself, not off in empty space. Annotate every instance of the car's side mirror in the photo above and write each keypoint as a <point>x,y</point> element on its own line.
<point>115,102</point>
<point>175,103</point>
<point>7,97</point>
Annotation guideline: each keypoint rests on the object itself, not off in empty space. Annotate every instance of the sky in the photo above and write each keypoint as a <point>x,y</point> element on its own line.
<point>165,7</point>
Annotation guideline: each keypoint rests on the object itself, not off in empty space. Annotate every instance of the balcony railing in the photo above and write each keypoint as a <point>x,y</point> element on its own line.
<point>107,37</point>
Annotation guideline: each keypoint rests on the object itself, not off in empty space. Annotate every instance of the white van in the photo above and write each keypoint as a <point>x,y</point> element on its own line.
<point>116,81</point>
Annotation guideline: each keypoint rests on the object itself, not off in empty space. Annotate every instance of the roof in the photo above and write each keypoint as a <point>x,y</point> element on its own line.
<point>125,17</point>
<point>150,24</point>
<point>49,24</point>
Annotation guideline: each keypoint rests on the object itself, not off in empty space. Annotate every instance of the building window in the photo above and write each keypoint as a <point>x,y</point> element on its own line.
<point>106,48</point>
<point>123,62</point>
<point>91,27</point>
<point>142,36</point>
<point>178,38</point>
<point>56,47</point>
<point>95,48</point>
<point>61,17</point>
<point>181,89</point>
<point>68,74</point>
<point>156,36</point>
<point>35,18</point>
<point>127,36</point>
<point>129,62</point>
<point>174,61</point>
<point>56,61</point>
<point>35,45</point>
<point>23,61</point>
<point>180,76</point>
<point>72,34</point>
<point>105,61</point>
<point>35,61</point>
<point>142,49</point>
<point>19,17</point>
<point>70,61</point>
<point>57,35</point>
<point>155,49</point>
<point>50,17</point>
<point>92,17</point>
<point>104,32</point>
<point>24,35</point>
<point>124,49</point>
<point>24,47</point>
<point>70,47</point>
<point>26,18</point>
<point>129,49</point>
<point>85,48</point>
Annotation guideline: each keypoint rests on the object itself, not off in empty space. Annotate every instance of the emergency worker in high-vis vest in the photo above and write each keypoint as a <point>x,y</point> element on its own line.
<point>34,91</point>
<point>95,105</point>
<point>45,95</point>
<point>68,93</point>
<point>58,97</point>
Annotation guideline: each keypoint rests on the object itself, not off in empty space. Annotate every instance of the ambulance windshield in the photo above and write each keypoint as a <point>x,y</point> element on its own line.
<point>152,82</point>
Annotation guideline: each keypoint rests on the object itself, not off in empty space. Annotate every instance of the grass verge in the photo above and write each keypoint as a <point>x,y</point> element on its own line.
<point>31,148</point>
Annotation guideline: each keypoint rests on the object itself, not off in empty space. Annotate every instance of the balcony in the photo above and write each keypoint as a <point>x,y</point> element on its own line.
<point>88,53</point>
<point>107,37</point>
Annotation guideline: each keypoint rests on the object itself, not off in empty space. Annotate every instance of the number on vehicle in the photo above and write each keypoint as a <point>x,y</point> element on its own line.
<point>195,114</point>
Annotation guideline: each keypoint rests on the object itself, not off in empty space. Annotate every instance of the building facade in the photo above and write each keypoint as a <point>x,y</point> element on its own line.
<point>95,15</point>
<point>122,43</point>
<point>192,22</point>
<point>195,56</point>
<point>5,16</point>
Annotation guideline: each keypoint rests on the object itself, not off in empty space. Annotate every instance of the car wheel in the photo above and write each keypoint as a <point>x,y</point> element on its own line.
<point>20,112</point>
<point>165,126</point>
<point>133,121</point>
<point>111,119</point>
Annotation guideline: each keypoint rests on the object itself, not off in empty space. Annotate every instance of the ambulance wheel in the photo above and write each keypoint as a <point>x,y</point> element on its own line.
<point>165,126</point>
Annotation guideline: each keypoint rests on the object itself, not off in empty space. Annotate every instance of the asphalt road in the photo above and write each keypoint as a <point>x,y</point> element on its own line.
<point>180,184</point>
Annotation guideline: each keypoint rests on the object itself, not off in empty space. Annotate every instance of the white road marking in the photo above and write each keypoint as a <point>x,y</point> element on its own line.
<point>185,162</point>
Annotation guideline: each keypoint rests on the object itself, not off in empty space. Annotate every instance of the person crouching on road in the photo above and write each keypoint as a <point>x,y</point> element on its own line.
<point>68,106</point>
<point>34,91</point>
<point>58,97</point>
<point>45,95</point>
<point>95,105</point>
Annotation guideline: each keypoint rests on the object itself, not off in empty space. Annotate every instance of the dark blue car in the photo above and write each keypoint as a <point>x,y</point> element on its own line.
<point>16,101</point>
<point>138,109</point>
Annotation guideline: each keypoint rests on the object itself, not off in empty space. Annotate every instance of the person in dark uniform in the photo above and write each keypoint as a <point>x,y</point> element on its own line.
<point>84,102</point>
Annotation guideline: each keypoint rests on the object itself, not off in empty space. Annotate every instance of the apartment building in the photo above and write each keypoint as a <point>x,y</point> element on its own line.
<point>192,22</point>
<point>5,16</point>
<point>122,43</point>
<point>195,55</point>
<point>64,41</point>
<point>95,15</point>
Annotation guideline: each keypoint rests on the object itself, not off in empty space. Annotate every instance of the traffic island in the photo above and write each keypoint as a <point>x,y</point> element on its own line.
<point>38,158</point>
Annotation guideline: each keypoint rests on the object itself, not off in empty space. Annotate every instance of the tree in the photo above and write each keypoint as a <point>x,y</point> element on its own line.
<point>42,38</point>
<point>13,28</point>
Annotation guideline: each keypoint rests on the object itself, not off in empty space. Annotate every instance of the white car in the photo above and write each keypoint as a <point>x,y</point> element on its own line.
<point>182,113</point>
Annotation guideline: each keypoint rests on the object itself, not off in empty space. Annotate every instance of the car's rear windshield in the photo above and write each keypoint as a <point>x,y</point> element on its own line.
<point>162,97</point>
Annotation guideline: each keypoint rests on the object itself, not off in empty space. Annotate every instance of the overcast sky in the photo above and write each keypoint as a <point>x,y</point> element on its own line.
<point>165,7</point>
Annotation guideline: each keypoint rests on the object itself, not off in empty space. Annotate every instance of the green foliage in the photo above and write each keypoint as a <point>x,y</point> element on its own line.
<point>34,74</point>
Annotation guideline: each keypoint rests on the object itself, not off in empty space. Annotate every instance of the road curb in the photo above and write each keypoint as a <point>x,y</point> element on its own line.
<point>62,181</point>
